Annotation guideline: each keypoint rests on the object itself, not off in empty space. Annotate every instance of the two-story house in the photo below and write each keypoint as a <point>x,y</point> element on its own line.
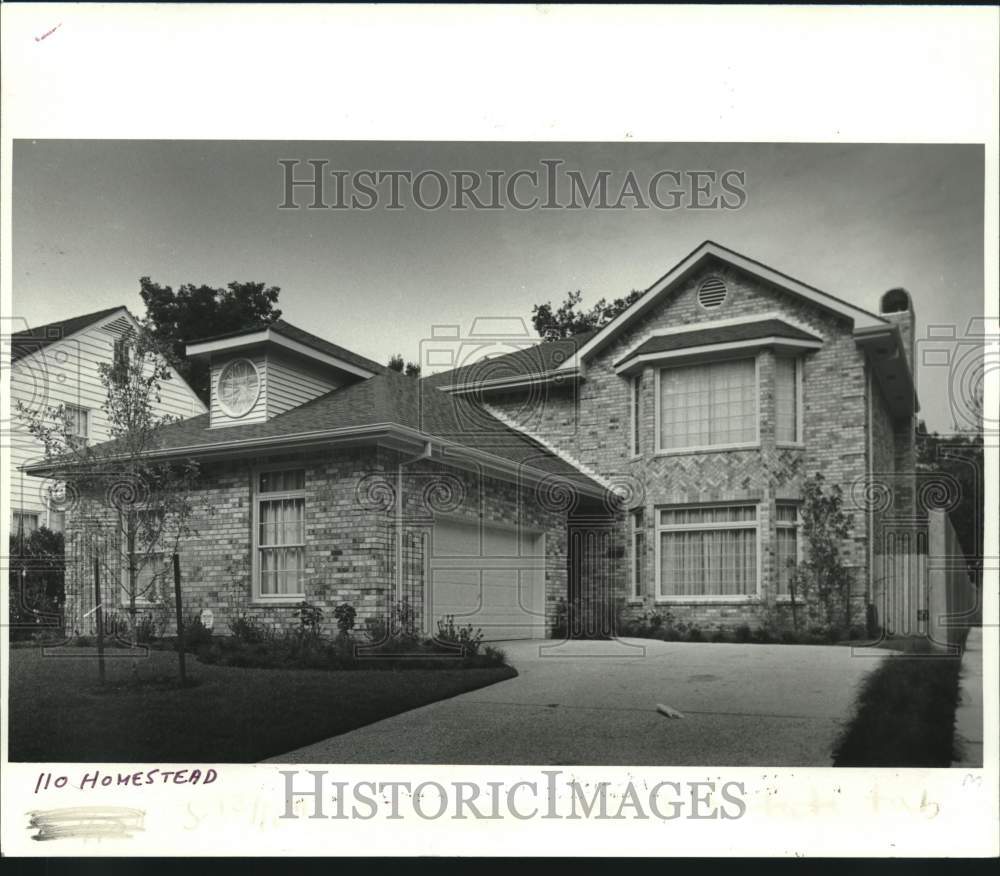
<point>57,365</point>
<point>656,463</point>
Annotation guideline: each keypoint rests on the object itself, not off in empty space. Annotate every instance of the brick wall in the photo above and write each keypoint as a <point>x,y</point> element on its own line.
<point>350,537</point>
<point>591,420</point>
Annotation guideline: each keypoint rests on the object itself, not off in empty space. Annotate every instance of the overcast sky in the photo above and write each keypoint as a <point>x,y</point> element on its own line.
<point>90,218</point>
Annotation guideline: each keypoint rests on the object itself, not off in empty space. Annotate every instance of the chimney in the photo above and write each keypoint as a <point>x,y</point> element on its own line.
<point>897,307</point>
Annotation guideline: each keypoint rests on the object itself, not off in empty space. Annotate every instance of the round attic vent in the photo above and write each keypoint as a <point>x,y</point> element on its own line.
<point>712,293</point>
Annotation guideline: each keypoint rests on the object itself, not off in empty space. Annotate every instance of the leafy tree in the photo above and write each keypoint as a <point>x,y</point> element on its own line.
<point>822,582</point>
<point>410,369</point>
<point>133,511</point>
<point>36,591</point>
<point>176,318</point>
<point>569,319</point>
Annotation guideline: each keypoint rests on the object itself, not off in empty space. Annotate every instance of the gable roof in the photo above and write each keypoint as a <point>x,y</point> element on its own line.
<point>710,250</point>
<point>382,405</point>
<point>723,334</point>
<point>513,368</point>
<point>300,336</point>
<point>31,340</point>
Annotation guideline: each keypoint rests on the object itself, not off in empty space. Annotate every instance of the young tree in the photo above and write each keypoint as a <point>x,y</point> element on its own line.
<point>175,318</point>
<point>569,320</point>
<point>132,510</point>
<point>822,583</point>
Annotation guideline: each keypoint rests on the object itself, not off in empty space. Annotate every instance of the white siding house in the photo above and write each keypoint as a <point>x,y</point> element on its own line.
<point>57,364</point>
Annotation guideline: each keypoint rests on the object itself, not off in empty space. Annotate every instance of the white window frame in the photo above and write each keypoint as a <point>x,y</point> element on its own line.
<point>80,409</point>
<point>635,415</point>
<point>141,600</point>
<point>635,560</point>
<point>16,524</point>
<point>256,498</point>
<point>797,526</point>
<point>799,422</point>
<point>707,448</point>
<point>659,528</point>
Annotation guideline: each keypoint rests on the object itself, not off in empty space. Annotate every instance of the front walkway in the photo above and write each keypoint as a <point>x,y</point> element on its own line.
<point>969,715</point>
<point>597,703</point>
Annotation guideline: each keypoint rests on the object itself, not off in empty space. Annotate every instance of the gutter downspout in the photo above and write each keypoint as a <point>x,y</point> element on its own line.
<point>869,589</point>
<point>424,454</point>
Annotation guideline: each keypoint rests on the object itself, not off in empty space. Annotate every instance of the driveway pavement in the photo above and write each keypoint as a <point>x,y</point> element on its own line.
<point>597,703</point>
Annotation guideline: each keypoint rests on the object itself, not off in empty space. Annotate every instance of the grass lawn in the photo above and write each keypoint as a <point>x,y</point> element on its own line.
<point>904,715</point>
<point>58,712</point>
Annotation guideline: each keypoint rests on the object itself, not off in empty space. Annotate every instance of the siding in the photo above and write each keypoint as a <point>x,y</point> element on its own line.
<point>292,382</point>
<point>66,372</point>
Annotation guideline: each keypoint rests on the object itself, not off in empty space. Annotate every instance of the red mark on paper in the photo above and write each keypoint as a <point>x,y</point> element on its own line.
<point>48,33</point>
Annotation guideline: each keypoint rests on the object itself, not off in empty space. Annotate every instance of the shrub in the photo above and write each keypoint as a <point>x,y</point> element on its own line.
<point>310,620</point>
<point>743,633</point>
<point>790,637</point>
<point>467,638</point>
<point>560,628</point>
<point>719,635</point>
<point>246,628</point>
<point>694,634</point>
<point>145,629</point>
<point>345,616</point>
<point>196,633</point>
<point>494,656</point>
<point>762,635</point>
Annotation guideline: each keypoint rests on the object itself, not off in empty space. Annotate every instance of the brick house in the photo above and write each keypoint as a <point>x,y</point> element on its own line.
<point>654,465</point>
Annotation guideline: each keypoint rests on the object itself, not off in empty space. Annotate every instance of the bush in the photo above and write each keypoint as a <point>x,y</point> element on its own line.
<point>719,635</point>
<point>345,616</point>
<point>247,629</point>
<point>467,638</point>
<point>145,629</point>
<point>743,633</point>
<point>694,634</point>
<point>762,635</point>
<point>196,633</point>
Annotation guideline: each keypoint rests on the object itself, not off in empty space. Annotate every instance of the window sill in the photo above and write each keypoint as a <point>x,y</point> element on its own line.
<point>706,600</point>
<point>712,448</point>
<point>790,445</point>
<point>278,600</point>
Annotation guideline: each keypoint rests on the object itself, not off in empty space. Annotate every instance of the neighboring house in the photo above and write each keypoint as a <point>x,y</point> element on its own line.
<point>57,365</point>
<point>656,464</point>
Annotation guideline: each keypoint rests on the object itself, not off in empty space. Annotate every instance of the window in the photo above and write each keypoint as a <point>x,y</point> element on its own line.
<point>77,422</point>
<point>786,550</point>
<point>24,522</point>
<point>638,555</point>
<point>280,533</point>
<point>708,551</point>
<point>786,400</point>
<point>121,354</point>
<point>636,413</point>
<point>709,405</point>
<point>154,567</point>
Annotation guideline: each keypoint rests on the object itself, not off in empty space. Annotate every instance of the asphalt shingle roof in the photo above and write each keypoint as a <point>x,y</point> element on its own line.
<point>293,332</point>
<point>537,360</point>
<point>32,340</point>
<point>749,331</point>
<point>387,398</point>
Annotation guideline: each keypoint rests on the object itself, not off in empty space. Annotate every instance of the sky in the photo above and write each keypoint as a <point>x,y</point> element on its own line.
<point>92,217</point>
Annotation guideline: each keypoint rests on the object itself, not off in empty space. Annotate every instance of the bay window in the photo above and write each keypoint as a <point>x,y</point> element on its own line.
<point>707,551</point>
<point>786,544</point>
<point>708,405</point>
<point>786,400</point>
<point>280,534</point>
<point>638,564</point>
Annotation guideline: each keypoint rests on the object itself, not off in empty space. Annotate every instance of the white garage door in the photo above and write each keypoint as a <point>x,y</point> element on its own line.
<point>489,577</point>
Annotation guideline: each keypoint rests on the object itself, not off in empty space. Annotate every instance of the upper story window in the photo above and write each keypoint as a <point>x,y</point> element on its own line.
<point>708,405</point>
<point>636,414</point>
<point>280,538</point>
<point>787,400</point>
<point>77,422</point>
<point>238,388</point>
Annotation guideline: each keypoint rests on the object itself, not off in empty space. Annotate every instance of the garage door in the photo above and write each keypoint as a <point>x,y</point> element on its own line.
<point>487,576</point>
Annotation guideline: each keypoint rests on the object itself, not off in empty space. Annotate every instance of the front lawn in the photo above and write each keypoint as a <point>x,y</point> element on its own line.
<point>905,714</point>
<point>59,713</point>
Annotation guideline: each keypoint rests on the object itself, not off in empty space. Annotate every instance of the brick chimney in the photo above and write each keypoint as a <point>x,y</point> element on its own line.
<point>897,306</point>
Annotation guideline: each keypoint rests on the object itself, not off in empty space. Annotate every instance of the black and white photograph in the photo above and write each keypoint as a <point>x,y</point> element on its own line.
<point>446,454</point>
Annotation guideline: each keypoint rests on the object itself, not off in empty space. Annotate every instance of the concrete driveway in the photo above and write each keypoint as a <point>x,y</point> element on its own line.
<point>596,703</point>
